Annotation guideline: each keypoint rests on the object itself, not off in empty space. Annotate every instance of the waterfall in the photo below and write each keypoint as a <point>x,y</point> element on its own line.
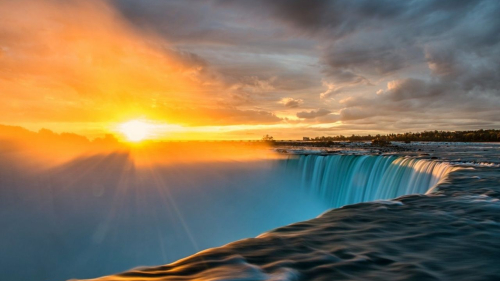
<point>348,179</point>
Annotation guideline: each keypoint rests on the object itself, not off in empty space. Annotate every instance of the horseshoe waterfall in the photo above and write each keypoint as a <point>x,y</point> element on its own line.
<point>348,179</point>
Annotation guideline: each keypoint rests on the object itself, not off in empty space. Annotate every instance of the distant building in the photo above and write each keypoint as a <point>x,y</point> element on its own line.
<point>306,138</point>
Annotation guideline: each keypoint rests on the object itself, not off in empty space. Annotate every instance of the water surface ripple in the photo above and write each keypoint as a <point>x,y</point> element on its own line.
<point>450,233</point>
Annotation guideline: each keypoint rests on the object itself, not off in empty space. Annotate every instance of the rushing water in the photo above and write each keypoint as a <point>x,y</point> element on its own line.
<point>346,179</point>
<point>100,215</point>
<point>450,233</point>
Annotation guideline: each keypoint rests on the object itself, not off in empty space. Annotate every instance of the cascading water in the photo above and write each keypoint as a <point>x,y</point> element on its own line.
<point>348,179</point>
<point>453,236</point>
<point>158,214</point>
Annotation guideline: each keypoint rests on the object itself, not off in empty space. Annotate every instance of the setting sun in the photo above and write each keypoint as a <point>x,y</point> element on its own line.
<point>136,130</point>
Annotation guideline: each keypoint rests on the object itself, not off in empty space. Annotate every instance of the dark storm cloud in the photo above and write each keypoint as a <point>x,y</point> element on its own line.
<point>343,17</point>
<point>211,23</point>
<point>411,88</point>
<point>422,58</point>
<point>380,37</point>
<point>369,40</point>
<point>250,60</point>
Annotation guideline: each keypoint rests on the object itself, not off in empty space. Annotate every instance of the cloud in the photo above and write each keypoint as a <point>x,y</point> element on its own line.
<point>366,38</point>
<point>313,113</point>
<point>438,58</point>
<point>216,116</point>
<point>411,88</point>
<point>230,116</point>
<point>354,113</point>
<point>291,102</point>
<point>238,62</point>
<point>329,118</point>
<point>332,90</point>
<point>417,56</point>
<point>82,61</point>
<point>82,55</point>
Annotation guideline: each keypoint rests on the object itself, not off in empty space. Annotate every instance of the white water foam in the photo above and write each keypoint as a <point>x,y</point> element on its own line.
<point>348,179</point>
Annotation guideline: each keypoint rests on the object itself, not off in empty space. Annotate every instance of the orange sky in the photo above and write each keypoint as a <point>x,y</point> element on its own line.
<point>79,67</point>
<point>210,71</point>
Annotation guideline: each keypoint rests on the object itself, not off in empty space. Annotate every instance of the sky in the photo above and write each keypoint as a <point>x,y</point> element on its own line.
<point>219,69</point>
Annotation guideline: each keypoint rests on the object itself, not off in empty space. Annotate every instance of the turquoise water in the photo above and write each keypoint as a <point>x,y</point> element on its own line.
<point>448,233</point>
<point>100,215</point>
<point>346,179</point>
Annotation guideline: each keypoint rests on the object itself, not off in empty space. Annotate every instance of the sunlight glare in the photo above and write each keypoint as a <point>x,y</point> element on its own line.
<point>136,130</point>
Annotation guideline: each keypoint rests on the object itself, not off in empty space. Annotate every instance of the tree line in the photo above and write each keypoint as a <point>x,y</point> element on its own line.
<point>440,136</point>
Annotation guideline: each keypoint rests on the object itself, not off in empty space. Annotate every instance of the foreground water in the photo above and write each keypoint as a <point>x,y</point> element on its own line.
<point>451,234</point>
<point>104,220</point>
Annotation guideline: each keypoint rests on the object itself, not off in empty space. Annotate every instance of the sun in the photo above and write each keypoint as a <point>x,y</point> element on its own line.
<point>136,130</point>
